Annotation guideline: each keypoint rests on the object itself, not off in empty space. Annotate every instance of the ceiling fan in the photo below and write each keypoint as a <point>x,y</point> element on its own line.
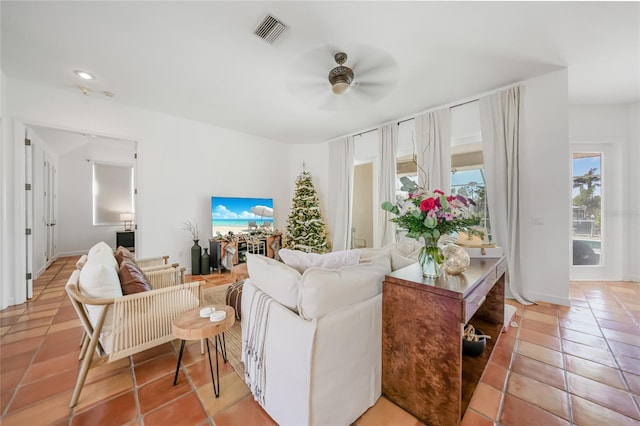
<point>315,79</point>
<point>341,76</point>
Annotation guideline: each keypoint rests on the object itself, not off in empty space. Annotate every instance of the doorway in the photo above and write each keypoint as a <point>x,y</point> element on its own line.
<point>63,192</point>
<point>362,218</point>
<point>596,228</point>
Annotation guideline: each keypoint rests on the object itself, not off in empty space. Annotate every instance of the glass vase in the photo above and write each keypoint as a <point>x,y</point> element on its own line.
<point>430,260</point>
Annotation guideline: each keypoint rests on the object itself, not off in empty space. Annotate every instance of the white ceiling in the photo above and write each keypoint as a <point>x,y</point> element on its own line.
<point>200,60</point>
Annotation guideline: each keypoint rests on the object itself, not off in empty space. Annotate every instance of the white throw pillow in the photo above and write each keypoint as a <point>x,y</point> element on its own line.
<point>100,247</point>
<point>398,260</point>
<point>368,254</point>
<point>100,281</point>
<point>274,278</point>
<point>104,257</point>
<point>408,247</point>
<point>301,261</point>
<point>325,290</point>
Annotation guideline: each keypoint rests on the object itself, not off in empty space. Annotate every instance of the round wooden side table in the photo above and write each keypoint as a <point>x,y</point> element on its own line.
<point>190,326</point>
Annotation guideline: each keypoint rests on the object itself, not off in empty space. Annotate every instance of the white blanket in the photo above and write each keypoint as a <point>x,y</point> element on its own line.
<point>253,355</point>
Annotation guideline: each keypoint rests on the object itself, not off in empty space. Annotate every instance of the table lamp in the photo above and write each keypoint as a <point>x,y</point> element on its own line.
<point>128,219</point>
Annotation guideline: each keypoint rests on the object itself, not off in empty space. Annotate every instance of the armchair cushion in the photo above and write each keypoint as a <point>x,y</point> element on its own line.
<point>103,257</point>
<point>132,279</point>
<point>325,290</point>
<point>301,261</point>
<point>274,278</point>
<point>99,281</point>
<point>122,254</point>
<point>100,247</point>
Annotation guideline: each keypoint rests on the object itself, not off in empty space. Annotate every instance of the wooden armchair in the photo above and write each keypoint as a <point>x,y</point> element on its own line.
<point>139,322</point>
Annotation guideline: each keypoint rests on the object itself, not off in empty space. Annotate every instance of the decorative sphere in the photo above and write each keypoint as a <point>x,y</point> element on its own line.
<point>456,259</point>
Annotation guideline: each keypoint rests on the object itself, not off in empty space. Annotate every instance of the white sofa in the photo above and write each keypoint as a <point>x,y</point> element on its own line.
<point>321,355</point>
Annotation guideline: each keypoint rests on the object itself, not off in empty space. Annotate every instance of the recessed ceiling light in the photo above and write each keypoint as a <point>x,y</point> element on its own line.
<point>84,75</point>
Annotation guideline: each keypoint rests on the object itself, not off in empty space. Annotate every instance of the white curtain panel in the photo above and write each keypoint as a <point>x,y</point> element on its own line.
<point>500,126</point>
<point>341,193</point>
<point>388,145</point>
<point>433,149</point>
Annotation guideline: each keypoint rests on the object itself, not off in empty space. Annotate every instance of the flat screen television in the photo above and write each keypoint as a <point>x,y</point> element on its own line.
<point>240,215</point>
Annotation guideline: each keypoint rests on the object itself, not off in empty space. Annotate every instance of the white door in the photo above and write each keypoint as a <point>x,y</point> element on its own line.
<point>596,187</point>
<point>49,209</point>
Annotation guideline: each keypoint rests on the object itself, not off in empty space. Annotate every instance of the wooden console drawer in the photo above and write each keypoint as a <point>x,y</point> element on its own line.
<point>476,298</point>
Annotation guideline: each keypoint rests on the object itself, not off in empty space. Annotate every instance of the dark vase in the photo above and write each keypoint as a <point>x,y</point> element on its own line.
<point>204,263</point>
<point>195,258</point>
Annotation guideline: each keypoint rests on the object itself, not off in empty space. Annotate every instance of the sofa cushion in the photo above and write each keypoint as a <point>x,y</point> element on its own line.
<point>325,290</point>
<point>274,278</point>
<point>132,279</point>
<point>301,261</point>
<point>98,280</point>
<point>122,254</point>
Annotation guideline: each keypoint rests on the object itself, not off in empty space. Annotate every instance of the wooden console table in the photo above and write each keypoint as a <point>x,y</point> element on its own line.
<point>423,369</point>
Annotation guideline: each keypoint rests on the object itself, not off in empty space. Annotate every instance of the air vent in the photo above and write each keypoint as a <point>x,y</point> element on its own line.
<point>270,29</point>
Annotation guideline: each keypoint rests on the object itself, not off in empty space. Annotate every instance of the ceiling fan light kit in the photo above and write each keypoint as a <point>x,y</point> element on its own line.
<point>341,76</point>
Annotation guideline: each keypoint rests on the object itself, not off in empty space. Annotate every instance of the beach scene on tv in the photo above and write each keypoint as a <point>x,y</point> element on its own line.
<point>241,215</point>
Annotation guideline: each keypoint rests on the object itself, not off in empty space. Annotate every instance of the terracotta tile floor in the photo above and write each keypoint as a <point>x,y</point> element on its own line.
<point>561,366</point>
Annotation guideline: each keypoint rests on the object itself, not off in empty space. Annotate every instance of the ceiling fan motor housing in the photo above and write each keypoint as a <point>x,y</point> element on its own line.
<point>341,76</point>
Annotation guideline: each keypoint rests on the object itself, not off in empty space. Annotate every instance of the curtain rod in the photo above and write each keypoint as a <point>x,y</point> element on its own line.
<point>414,117</point>
<point>452,105</point>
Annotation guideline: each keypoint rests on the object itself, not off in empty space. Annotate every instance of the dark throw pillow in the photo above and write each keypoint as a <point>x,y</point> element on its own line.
<point>132,279</point>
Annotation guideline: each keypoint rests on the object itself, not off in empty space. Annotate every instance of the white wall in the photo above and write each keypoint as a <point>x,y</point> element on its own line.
<point>631,206</point>
<point>181,164</point>
<point>6,194</point>
<point>616,128</point>
<point>544,177</point>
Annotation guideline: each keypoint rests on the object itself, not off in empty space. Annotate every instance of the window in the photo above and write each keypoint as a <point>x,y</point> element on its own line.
<point>112,192</point>
<point>470,183</point>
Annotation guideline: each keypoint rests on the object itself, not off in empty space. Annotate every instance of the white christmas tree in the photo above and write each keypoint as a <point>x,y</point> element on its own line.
<point>306,230</point>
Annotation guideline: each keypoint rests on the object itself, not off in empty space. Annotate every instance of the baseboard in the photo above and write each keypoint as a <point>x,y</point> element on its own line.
<point>70,253</point>
<point>633,278</point>
<point>541,297</point>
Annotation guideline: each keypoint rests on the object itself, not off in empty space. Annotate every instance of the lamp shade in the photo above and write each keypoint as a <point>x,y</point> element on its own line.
<point>127,217</point>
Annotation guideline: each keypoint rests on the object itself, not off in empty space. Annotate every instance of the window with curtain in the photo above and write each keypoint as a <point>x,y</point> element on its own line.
<point>112,192</point>
<point>467,160</point>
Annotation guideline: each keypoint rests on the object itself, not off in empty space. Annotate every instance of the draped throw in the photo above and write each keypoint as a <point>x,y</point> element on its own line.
<point>341,184</point>
<point>433,149</point>
<point>500,126</point>
<point>388,145</point>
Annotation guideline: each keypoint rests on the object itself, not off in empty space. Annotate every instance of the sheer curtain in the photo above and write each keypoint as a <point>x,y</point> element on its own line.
<point>433,149</point>
<point>500,126</point>
<point>341,190</point>
<point>388,145</point>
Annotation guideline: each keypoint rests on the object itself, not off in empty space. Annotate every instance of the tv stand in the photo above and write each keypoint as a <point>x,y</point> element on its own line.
<point>242,244</point>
